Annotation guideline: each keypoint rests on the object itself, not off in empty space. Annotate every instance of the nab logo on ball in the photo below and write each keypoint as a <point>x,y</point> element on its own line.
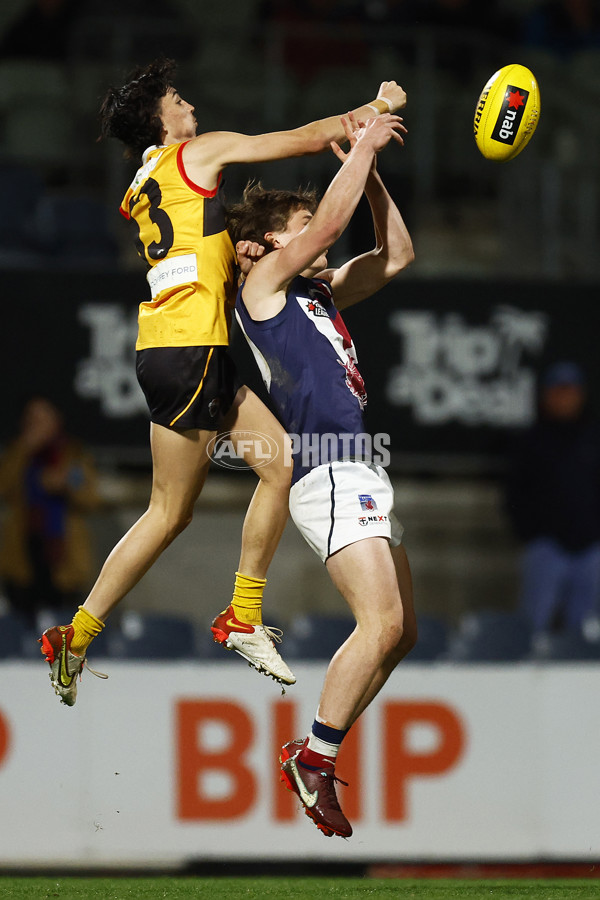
<point>507,113</point>
<point>511,113</point>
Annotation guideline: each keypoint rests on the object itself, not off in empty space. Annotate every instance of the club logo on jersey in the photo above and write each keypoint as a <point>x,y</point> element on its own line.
<point>366,502</point>
<point>314,307</point>
<point>510,115</point>
<point>354,381</point>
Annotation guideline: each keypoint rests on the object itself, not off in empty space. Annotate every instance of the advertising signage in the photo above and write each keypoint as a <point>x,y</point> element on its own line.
<point>451,368</point>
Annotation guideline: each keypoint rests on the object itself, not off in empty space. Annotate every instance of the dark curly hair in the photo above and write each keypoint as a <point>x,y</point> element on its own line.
<point>262,210</point>
<point>131,113</point>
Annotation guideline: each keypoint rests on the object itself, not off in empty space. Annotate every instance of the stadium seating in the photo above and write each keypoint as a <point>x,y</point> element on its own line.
<point>20,190</point>
<point>152,636</point>
<point>40,134</point>
<point>38,124</point>
<point>564,646</point>
<point>75,231</point>
<point>316,636</point>
<point>432,641</point>
<point>490,636</point>
<point>13,635</point>
<point>27,79</point>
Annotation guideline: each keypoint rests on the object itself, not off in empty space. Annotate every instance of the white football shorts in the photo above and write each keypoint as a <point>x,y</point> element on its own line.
<point>341,502</point>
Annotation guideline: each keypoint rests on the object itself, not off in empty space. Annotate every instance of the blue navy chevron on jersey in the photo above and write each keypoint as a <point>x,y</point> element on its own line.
<point>308,363</point>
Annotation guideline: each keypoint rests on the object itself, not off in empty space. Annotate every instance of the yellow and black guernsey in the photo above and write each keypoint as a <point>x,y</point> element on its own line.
<point>183,238</point>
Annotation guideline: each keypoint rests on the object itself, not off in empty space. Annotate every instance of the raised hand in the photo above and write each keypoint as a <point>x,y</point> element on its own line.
<point>392,92</point>
<point>351,127</point>
<point>248,252</point>
<point>377,131</point>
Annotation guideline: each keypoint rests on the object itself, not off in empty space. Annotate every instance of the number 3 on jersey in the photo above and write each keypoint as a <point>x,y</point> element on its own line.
<point>155,249</point>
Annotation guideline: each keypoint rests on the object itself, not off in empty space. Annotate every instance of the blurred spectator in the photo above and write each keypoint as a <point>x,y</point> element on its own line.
<point>553,502</point>
<point>42,31</point>
<point>48,483</point>
<point>564,26</point>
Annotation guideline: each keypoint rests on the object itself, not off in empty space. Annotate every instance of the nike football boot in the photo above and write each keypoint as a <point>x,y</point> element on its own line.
<point>65,666</point>
<point>254,642</point>
<point>316,789</point>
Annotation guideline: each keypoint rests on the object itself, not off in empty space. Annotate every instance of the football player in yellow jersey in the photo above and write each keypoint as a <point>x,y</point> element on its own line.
<point>182,365</point>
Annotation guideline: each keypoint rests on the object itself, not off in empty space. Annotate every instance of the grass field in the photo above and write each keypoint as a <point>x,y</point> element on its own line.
<point>182,888</point>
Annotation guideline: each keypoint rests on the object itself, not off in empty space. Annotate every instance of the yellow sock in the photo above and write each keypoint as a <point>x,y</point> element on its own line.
<point>86,627</point>
<point>247,599</point>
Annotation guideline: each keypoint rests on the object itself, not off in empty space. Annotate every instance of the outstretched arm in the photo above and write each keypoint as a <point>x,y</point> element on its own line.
<point>264,292</point>
<point>364,275</point>
<point>205,156</point>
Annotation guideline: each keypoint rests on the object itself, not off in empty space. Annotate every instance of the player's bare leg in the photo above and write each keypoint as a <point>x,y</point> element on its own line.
<point>268,511</point>
<point>180,464</point>
<point>365,574</point>
<point>240,627</point>
<point>409,630</point>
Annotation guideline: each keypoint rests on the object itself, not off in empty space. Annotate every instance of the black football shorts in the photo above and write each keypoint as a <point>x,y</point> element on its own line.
<point>187,387</point>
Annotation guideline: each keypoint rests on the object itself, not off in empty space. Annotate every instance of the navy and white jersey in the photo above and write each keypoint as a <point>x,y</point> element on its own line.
<point>308,363</point>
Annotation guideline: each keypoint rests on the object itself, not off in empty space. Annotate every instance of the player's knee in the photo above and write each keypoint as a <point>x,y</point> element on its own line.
<point>391,630</point>
<point>403,646</point>
<point>277,475</point>
<point>409,637</point>
<point>181,521</point>
<point>174,521</point>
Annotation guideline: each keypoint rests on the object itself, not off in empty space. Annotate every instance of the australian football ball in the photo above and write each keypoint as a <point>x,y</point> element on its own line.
<point>507,113</point>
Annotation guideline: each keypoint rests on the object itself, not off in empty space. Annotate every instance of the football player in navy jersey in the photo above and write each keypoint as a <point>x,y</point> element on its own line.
<point>174,205</point>
<point>340,500</point>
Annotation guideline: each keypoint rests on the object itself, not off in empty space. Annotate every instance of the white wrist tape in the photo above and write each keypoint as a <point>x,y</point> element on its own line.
<point>379,104</point>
